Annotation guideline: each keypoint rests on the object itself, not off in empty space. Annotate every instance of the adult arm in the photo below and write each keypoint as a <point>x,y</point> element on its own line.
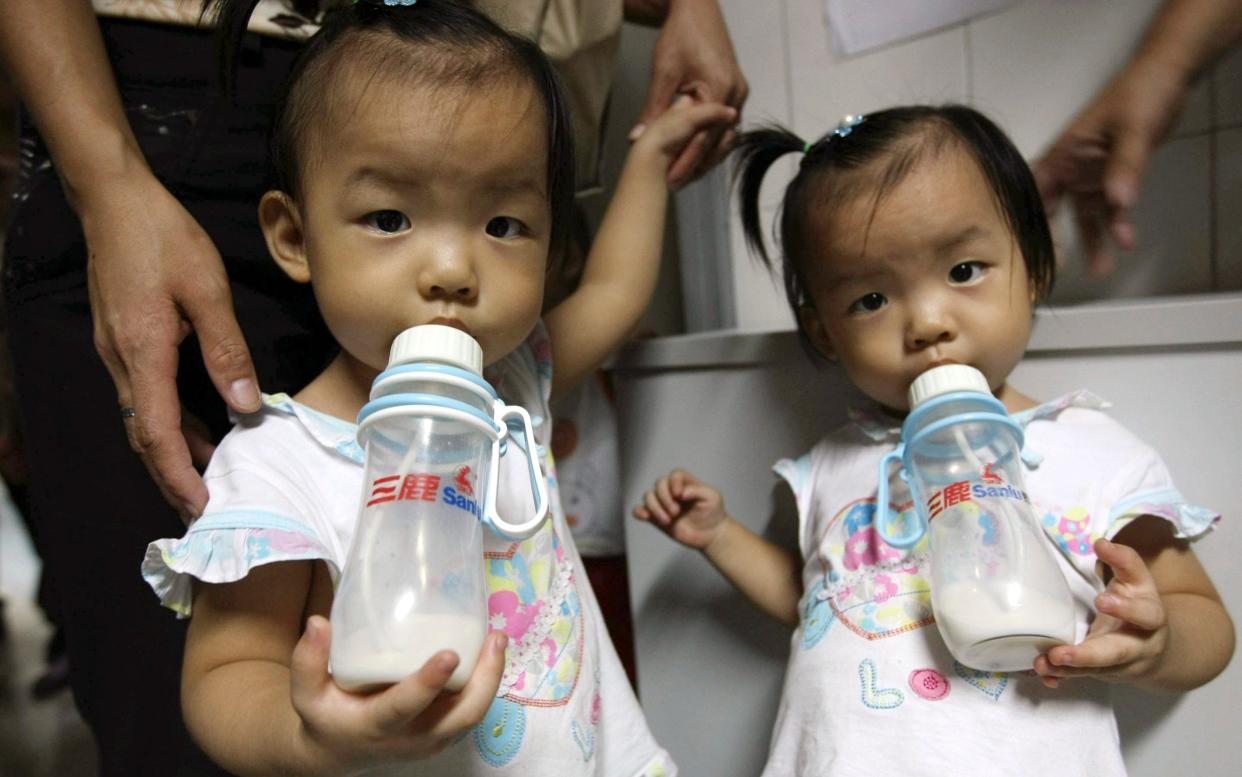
<point>154,275</point>
<point>693,55</point>
<point>1099,160</point>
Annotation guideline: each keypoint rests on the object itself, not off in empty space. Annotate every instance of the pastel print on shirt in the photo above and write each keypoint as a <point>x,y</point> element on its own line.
<point>875,590</point>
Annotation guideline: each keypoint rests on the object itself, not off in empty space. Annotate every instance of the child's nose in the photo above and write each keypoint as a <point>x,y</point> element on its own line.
<point>449,275</point>
<point>929,324</point>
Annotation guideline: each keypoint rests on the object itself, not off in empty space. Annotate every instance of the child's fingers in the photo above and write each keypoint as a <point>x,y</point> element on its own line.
<point>1143,612</point>
<point>469,706</point>
<point>728,139</point>
<point>669,502</point>
<point>642,513</point>
<point>396,708</point>
<point>657,511</point>
<point>1127,565</point>
<point>678,480</point>
<point>308,666</point>
<point>1090,657</point>
<point>697,492</point>
<point>683,167</point>
<point>1044,670</point>
<point>713,116</point>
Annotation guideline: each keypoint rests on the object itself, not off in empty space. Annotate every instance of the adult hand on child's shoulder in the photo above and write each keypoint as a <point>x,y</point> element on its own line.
<point>154,278</point>
<point>413,719</point>
<point>685,508</point>
<point>694,56</point>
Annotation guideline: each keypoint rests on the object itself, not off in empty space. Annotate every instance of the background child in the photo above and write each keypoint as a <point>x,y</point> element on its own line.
<point>910,239</point>
<point>424,175</point>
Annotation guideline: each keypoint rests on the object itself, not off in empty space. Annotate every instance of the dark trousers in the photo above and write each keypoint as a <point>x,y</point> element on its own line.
<point>95,505</point>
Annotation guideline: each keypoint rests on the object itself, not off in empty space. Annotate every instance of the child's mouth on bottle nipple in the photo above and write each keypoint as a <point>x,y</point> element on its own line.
<point>448,321</point>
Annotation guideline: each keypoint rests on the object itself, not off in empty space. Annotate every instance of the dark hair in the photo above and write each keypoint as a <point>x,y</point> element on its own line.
<point>436,42</point>
<point>904,136</point>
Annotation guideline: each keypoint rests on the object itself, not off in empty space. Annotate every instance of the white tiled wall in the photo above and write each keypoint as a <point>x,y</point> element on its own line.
<point>1031,67</point>
<point>1036,64</point>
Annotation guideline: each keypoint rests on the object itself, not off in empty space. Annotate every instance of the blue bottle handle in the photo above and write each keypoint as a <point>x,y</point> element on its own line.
<point>914,529</point>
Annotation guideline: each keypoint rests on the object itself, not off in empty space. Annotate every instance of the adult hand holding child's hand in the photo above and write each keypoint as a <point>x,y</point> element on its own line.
<point>693,56</point>
<point>668,134</point>
<point>415,718</point>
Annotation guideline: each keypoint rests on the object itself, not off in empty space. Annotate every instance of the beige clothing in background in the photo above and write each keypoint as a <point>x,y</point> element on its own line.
<point>580,37</point>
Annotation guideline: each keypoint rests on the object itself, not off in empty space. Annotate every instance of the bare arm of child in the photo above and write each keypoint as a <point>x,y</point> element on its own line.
<point>624,262</point>
<point>692,513</point>
<point>257,696</point>
<point>1161,624</point>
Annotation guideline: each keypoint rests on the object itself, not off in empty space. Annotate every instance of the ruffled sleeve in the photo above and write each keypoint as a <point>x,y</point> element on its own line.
<point>266,505</point>
<point>1146,488</point>
<point>222,548</point>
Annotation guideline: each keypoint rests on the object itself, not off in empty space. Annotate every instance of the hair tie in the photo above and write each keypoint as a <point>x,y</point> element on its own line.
<point>843,128</point>
<point>389,3</point>
<point>847,124</point>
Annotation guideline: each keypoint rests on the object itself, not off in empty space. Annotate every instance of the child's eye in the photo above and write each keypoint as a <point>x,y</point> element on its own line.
<point>504,226</point>
<point>388,221</point>
<point>868,303</point>
<point>966,272</point>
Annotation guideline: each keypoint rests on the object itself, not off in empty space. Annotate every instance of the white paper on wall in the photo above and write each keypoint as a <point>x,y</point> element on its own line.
<point>859,25</point>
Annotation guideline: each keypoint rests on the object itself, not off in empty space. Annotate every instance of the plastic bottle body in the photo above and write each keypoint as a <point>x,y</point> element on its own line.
<point>413,582</point>
<point>998,593</point>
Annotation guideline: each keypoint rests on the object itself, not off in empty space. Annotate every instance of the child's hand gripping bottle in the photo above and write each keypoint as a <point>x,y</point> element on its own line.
<point>998,593</point>
<point>413,584</point>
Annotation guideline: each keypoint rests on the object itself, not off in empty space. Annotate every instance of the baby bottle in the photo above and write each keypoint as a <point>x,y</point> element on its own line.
<point>998,593</point>
<point>413,585</point>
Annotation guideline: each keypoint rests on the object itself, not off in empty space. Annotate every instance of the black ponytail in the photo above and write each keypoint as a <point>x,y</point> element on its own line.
<point>756,151</point>
<point>231,18</point>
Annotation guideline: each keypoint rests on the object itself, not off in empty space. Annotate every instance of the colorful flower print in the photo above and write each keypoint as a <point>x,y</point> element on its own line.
<point>534,601</point>
<point>1072,531</point>
<point>875,590</point>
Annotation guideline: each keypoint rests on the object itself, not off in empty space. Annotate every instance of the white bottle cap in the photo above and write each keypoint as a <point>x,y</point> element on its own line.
<point>437,343</point>
<point>946,379</point>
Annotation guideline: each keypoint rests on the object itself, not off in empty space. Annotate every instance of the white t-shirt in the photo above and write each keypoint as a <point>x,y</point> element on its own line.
<point>871,688</point>
<point>285,485</point>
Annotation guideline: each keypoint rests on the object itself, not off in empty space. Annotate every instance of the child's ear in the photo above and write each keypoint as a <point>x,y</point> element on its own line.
<point>815,330</point>
<point>282,229</point>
